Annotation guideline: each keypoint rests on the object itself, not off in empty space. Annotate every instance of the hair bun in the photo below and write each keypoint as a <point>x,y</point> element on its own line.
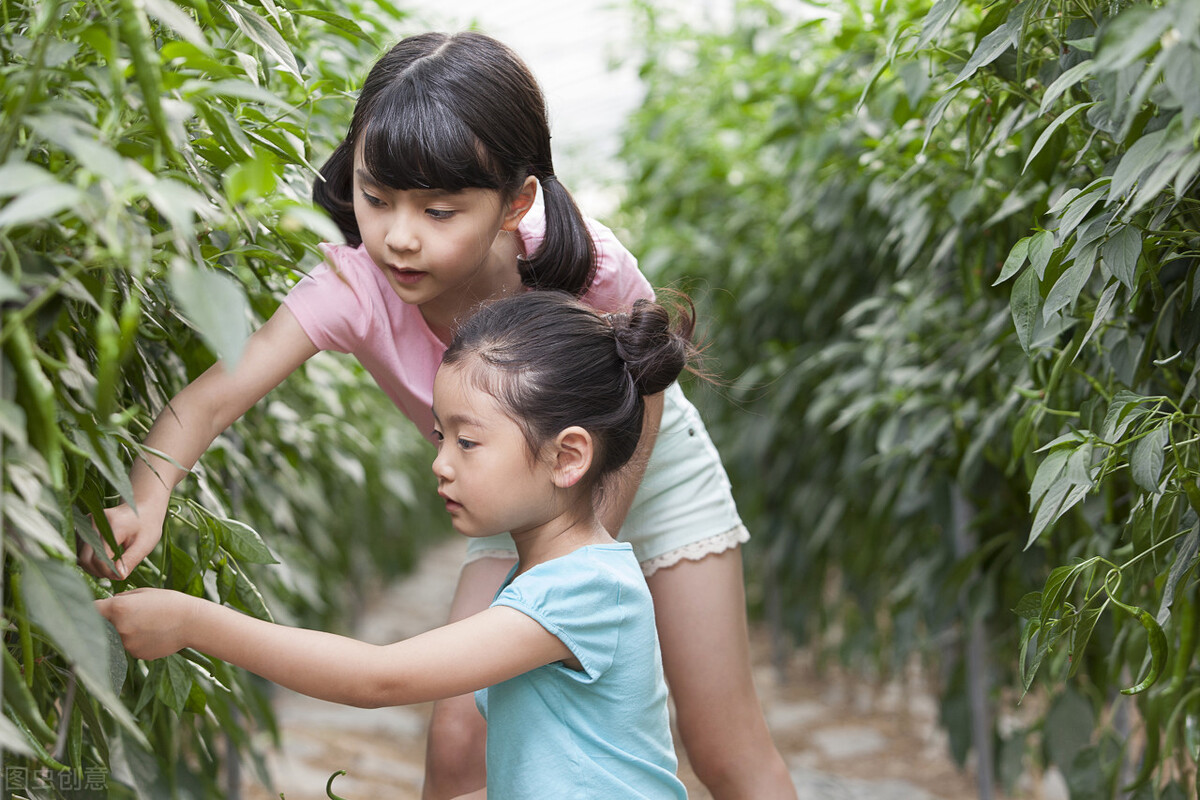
<point>654,347</point>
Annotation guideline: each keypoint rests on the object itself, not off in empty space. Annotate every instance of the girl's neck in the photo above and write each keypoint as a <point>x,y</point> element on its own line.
<point>498,277</point>
<point>555,540</point>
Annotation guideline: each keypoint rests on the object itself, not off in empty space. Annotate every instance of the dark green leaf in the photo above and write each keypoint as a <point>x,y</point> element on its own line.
<point>1146,458</point>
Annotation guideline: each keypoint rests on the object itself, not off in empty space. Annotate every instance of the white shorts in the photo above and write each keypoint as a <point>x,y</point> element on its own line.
<point>683,509</point>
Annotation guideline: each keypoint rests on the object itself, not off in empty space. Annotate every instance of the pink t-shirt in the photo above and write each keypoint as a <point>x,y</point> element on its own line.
<point>346,305</point>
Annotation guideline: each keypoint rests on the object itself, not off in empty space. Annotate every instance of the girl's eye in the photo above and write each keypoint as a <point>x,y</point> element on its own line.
<point>438,435</point>
<point>372,200</point>
<point>466,444</point>
<point>439,213</point>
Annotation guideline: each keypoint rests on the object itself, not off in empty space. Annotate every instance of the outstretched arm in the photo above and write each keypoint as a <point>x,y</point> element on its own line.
<point>487,648</point>
<point>187,426</point>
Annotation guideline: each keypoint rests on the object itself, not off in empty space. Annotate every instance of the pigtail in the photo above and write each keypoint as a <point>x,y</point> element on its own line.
<point>566,259</point>
<point>655,347</point>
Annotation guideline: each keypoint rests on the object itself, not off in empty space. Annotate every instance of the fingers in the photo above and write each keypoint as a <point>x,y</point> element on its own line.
<point>91,561</point>
<point>133,615</point>
<point>135,535</point>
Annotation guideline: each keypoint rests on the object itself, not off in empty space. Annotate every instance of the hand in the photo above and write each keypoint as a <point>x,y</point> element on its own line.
<point>153,623</point>
<point>136,532</point>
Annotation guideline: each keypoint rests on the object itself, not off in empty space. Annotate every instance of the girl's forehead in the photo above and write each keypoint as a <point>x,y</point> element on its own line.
<point>457,392</point>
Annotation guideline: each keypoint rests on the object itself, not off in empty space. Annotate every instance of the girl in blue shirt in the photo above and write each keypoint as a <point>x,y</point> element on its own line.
<point>538,400</point>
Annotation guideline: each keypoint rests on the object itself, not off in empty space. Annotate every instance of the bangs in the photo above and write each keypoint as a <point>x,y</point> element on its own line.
<point>412,141</point>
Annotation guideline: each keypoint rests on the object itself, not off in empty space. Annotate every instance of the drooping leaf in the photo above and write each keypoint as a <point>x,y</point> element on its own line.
<point>216,305</point>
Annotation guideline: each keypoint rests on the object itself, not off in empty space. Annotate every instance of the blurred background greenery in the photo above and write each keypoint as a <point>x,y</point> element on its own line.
<point>945,254</point>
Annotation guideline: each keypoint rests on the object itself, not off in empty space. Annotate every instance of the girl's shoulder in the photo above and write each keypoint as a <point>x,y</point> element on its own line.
<point>618,280</point>
<point>352,263</point>
<point>342,300</point>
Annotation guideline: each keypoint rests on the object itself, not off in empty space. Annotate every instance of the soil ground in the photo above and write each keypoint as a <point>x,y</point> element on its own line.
<point>842,737</point>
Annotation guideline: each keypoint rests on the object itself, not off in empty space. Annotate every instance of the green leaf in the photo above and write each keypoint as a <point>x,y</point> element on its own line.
<point>244,542</point>
<point>61,604</point>
<point>1075,75</point>
<point>1079,207</point>
<point>1050,130</point>
<point>20,176</point>
<point>1100,315</point>
<point>1081,634</point>
<point>33,522</point>
<point>250,599</point>
<point>177,20</point>
<point>1029,606</point>
<point>102,453</point>
<point>1142,156</point>
<point>1024,304</point>
<point>1067,288</point>
<point>216,305</point>
<point>1041,247</point>
<point>1146,458</point>
<point>1181,74</point>
<point>1121,252</point>
<point>1016,259</point>
<point>1123,411</point>
<point>336,21</point>
<point>1129,36</point>
<point>262,33</point>
<point>1050,470</point>
<point>174,683</point>
<point>39,203</point>
<point>935,21</point>
<point>992,46</point>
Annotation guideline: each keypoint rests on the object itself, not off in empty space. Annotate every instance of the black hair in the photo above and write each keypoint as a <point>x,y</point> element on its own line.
<point>553,362</point>
<point>453,112</point>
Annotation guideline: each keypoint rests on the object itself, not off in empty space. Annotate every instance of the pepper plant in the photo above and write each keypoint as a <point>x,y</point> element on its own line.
<point>156,159</point>
<point>949,255</point>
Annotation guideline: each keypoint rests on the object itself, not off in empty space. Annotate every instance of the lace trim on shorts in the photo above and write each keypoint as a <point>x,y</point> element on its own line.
<point>698,550</point>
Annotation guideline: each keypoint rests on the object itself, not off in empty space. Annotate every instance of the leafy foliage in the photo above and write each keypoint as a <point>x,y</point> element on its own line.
<point>155,164</point>
<point>951,256</point>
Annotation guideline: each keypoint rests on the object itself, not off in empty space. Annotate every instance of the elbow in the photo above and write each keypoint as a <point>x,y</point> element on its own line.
<point>383,692</point>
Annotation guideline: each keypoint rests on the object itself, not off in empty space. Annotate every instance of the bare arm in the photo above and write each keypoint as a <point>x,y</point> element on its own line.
<point>491,646</point>
<point>618,498</point>
<point>189,424</point>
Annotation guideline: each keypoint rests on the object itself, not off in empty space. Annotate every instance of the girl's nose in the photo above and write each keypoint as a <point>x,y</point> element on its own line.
<point>401,236</point>
<point>441,467</point>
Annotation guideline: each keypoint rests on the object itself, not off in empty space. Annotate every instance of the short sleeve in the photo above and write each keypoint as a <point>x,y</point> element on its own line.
<point>581,605</point>
<point>618,281</point>
<point>333,303</point>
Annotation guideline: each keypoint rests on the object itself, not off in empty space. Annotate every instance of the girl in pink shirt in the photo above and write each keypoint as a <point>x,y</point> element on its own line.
<point>433,188</point>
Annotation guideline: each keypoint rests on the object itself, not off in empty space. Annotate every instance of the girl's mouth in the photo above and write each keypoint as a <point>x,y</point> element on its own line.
<point>406,276</point>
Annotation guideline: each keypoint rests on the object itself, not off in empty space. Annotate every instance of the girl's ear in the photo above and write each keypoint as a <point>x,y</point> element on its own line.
<point>572,456</point>
<point>520,204</point>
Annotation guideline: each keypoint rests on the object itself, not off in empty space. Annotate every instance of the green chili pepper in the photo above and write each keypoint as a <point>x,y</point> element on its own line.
<point>39,750</point>
<point>43,408</point>
<point>131,316</point>
<point>75,738</point>
<point>1158,650</point>
<point>18,697</point>
<point>1188,630</point>
<point>23,632</point>
<point>135,32</point>
<point>1189,483</point>
<point>108,358</point>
